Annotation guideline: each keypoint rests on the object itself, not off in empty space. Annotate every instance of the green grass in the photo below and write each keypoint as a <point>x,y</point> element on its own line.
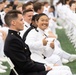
<point>68,47</point>
<point>8,69</point>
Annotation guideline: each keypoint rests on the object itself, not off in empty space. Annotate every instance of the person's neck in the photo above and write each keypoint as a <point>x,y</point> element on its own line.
<point>14,29</point>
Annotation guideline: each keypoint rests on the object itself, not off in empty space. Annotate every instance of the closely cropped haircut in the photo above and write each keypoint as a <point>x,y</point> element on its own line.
<point>11,15</point>
<point>25,5</point>
<point>37,6</point>
<point>25,11</point>
<point>39,15</point>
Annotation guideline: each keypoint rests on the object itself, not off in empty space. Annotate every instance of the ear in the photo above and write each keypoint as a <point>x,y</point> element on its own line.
<point>13,22</point>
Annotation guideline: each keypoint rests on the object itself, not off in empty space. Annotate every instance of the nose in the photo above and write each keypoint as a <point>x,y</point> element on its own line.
<point>23,21</point>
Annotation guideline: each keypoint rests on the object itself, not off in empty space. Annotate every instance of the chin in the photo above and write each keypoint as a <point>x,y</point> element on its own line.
<point>21,29</point>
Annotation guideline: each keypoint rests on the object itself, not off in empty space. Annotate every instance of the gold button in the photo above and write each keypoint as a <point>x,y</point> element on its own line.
<point>11,33</point>
<point>25,48</point>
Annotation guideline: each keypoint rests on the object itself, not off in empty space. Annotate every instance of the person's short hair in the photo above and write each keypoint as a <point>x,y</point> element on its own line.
<point>37,6</point>
<point>25,11</point>
<point>71,2</point>
<point>11,15</point>
<point>25,5</point>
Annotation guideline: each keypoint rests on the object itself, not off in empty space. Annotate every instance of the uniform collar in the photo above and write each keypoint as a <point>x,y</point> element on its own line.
<point>14,32</point>
<point>26,24</point>
<point>40,30</point>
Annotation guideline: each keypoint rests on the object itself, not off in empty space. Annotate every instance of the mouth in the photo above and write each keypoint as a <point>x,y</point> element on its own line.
<point>45,25</point>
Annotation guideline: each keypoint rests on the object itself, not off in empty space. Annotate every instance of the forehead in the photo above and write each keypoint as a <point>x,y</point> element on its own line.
<point>43,17</point>
<point>29,13</point>
<point>29,6</point>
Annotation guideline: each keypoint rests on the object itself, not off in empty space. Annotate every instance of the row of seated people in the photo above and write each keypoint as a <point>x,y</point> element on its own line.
<point>67,14</point>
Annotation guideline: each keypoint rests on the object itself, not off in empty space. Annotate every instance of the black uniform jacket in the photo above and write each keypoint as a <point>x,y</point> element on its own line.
<point>19,54</point>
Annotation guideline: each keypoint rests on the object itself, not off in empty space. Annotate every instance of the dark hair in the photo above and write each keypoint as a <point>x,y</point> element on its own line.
<point>39,15</point>
<point>37,6</point>
<point>66,1</point>
<point>34,17</point>
<point>25,11</point>
<point>60,1</point>
<point>71,2</point>
<point>11,15</point>
<point>12,3</point>
<point>25,5</point>
<point>52,7</point>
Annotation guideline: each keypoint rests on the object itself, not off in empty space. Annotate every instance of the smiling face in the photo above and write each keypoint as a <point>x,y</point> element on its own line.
<point>43,22</point>
<point>28,16</point>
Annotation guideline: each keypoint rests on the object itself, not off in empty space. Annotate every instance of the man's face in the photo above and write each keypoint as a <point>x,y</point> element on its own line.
<point>28,16</point>
<point>19,23</point>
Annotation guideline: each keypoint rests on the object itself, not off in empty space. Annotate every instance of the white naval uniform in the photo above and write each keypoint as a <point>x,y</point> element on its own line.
<point>34,40</point>
<point>1,45</point>
<point>58,50</point>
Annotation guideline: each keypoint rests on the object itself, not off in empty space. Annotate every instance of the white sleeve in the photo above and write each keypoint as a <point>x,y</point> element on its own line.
<point>32,41</point>
<point>48,51</point>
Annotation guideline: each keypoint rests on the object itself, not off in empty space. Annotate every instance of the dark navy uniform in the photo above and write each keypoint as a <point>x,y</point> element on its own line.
<point>19,54</point>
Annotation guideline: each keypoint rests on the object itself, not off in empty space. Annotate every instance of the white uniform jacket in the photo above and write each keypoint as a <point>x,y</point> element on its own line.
<point>34,40</point>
